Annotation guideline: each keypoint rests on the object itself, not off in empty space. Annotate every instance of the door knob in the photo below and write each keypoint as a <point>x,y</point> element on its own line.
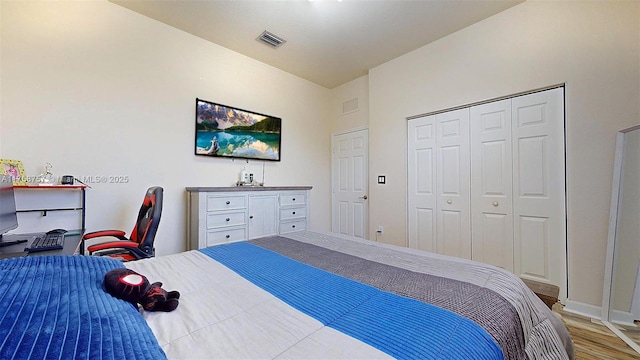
<point>364,197</point>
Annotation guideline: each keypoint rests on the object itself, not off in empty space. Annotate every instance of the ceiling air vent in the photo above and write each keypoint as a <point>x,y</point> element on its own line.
<point>271,39</point>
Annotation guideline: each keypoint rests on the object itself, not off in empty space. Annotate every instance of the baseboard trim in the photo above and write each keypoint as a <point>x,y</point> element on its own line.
<point>595,312</point>
<point>588,310</point>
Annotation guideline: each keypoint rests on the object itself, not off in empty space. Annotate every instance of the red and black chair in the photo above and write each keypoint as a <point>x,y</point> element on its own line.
<point>140,244</point>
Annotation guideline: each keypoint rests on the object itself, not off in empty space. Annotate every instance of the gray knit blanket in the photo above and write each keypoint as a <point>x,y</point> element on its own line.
<point>496,300</point>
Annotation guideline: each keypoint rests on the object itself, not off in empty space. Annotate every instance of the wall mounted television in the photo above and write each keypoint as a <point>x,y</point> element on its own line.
<point>225,131</point>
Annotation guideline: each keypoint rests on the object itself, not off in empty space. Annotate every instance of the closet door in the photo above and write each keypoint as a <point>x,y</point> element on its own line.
<point>453,220</point>
<point>421,167</point>
<point>539,187</point>
<point>491,181</point>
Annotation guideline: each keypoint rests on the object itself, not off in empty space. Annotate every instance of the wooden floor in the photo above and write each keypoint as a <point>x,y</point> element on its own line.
<point>594,341</point>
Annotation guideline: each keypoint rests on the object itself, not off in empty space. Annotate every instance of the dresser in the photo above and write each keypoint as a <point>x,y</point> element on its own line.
<point>218,215</point>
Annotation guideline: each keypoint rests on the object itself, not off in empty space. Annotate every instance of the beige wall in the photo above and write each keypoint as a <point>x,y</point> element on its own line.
<point>593,47</point>
<point>98,90</point>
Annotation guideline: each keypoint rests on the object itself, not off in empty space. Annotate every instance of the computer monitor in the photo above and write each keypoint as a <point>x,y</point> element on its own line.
<point>8,215</point>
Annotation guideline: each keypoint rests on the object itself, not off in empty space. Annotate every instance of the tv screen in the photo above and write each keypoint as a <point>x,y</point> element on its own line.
<point>225,131</point>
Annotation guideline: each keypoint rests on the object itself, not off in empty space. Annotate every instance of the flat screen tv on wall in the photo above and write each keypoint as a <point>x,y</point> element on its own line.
<point>225,131</point>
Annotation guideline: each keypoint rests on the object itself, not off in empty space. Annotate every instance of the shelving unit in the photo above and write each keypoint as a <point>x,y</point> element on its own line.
<point>81,208</point>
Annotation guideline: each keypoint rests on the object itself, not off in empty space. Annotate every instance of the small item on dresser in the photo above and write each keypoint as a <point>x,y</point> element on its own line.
<point>243,176</point>
<point>128,285</point>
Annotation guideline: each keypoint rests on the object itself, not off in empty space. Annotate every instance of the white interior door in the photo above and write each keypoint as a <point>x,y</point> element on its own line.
<point>453,185</point>
<point>421,175</point>
<point>350,183</point>
<point>491,181</point>
<point>539,187</point>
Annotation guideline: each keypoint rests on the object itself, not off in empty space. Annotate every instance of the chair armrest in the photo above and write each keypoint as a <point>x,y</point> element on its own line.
<point>112,245</point>
<point>115,233</point>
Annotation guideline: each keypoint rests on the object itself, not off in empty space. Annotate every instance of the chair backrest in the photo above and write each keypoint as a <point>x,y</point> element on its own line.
<point>146,226</point>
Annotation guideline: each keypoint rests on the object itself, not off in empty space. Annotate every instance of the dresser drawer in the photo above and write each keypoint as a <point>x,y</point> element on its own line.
<point>292,226</point>
<point>290,199</point>
<point>293,213</point>
<point>231,202</point>
<point>216,220</point>
<point>225,236</point>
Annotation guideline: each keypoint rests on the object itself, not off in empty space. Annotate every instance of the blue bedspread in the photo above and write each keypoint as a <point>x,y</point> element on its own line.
<point>401,327</point>
<point>55,307</point>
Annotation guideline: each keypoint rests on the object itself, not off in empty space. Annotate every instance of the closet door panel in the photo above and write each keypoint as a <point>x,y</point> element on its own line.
<point>453,220</point>
<point>499,250</point>
<point>422,183</point>
<point>451,240</point>
<point>539,188</point>
<point>425,230</point>
<point>491,181</point>
<point>534,235</point>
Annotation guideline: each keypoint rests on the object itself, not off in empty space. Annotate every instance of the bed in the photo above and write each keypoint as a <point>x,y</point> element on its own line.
<point>294,296</point>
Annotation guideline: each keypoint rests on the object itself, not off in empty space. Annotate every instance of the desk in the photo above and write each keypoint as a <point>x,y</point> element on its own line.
<point>73,245</point>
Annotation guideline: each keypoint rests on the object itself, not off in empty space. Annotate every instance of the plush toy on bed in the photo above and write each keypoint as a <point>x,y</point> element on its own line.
<point>135,288</point>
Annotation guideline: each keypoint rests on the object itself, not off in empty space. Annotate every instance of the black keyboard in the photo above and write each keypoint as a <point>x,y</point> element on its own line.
<point>46,242</point>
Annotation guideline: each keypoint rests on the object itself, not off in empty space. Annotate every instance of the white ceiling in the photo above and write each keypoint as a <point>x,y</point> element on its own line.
<point>328,42</point>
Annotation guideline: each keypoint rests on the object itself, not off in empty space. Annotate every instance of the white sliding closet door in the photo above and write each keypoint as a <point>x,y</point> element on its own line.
<point>491,181</point>
<point>487,183</point>
<point>422,183</point>
<point>539,187</point>
<point>453,224</point>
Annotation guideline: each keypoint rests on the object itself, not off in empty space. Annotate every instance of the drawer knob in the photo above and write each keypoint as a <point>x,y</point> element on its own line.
<point>228,219</point>
<point>294,213</point>
<point>251,217</point>
<point>495,203</point>
<point>228,236</point>
<point>228,202</point>
<point>294,199</point>
<point>293,226</point>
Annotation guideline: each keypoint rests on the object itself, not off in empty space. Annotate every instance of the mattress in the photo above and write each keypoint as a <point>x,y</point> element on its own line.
<point>316,295</point>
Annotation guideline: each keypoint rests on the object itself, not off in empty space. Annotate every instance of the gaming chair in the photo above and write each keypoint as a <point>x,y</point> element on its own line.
<point>140,244</point>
